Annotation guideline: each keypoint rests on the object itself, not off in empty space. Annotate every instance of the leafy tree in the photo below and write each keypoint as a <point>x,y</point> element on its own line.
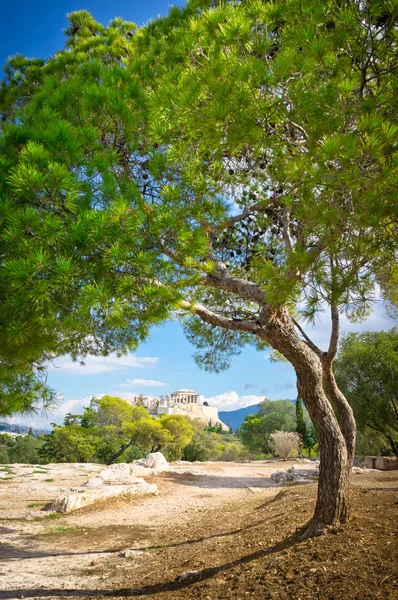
<point>4,456</point>
<point>115,418</point>
<point>301,426</point>
<point>306,431</point>
<point>253,434</point>
<point>150,435</point>
<point>277,415</point>
<point>6,440</point>
<point>72,443</point>
<point>310,441</point>
<point>273,415</point>
<point>204,445</point>
<point>119,160</point>
<point>25,450</point>
<point>367,372</point>
<point>212,444</point>
<point>180,429</point>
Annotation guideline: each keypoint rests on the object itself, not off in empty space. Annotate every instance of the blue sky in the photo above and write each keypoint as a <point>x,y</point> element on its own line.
<point>165,362</point>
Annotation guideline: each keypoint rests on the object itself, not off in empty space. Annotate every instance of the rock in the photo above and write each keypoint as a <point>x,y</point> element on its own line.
<point>180,471</point>
<point>77,498</point>
<point>357,470</point>
<point>94,482</point>
<point>130,553</point>
<point>293,476</point>
<point>152,464</point>
<point>117,474</point>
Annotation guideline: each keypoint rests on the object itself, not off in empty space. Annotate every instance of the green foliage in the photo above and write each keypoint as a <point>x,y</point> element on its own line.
<point>6,440</point>
<point>212,443</point>
<point>25,450</point>
<point>301,426</point>
<point>367,373</point>
<point>111,430</point>
<point>73,443</point>
<point>253,434</point>
<point>180,430</point>
<point>306,431</point>
<point>121,154</point>
<point>273,415</point>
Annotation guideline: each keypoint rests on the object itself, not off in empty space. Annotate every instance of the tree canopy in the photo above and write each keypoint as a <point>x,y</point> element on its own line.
<point>274,415</point>
<point>367,373</point>
<point>111,429</point>
<point>232,163</point>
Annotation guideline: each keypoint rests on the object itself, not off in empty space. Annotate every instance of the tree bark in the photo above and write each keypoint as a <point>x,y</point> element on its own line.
<point>118,453</point>
<point>334,474</point>
<point>337,398</point>
<point>389,438</point>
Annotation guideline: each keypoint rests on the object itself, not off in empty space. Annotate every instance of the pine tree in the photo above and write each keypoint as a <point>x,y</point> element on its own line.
<point>120,156</point>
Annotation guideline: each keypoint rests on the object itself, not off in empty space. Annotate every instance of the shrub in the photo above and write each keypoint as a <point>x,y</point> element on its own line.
<point>284,443</point>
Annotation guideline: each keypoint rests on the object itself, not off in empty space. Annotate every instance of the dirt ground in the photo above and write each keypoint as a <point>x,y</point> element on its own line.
<point>226,534</point>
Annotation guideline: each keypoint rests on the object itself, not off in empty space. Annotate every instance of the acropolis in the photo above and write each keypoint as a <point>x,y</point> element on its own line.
<point>183,402</point>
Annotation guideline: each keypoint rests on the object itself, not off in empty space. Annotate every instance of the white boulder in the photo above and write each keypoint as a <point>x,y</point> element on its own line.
<point>152,464</point>
<point>117,474</point>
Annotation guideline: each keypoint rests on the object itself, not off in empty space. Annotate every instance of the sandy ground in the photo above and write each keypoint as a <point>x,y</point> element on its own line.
<point>201,523</point>
<point>42,550</point>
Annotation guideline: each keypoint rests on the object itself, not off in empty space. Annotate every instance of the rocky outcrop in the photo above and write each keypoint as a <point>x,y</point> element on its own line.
<point>295,475</point>
<point>152,464</point>
<point>76,498</point>
<point>112,481</point>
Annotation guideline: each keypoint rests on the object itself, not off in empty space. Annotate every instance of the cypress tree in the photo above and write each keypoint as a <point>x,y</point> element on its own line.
<point>301,426</point>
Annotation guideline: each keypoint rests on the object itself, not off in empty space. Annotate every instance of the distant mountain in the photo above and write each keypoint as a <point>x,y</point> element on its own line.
<point>4,427</point>
<point>235,418</point>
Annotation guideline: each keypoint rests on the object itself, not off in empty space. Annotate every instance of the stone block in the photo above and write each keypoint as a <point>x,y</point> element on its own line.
<point>76,498</point>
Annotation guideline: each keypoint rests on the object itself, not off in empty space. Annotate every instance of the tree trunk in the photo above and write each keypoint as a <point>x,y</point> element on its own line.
<point>389,438</point>
<point>334,473</point>
<point>337,398</point>
<point>393,444</point>
<point>118,453</point>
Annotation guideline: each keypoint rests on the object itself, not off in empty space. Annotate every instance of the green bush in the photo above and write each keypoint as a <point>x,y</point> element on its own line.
<point>25,450</point>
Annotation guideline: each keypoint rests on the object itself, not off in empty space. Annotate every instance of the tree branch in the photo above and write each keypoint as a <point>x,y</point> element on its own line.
<point>219,320</point>
<point>308,340</point>
<point>223,280</point>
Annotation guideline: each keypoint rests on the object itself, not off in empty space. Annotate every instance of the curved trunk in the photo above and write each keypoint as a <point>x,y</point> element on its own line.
<point>337,398</point>
<point>116,455</point>
<point>334,474</point>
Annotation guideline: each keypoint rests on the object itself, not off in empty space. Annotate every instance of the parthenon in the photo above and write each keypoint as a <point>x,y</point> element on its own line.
<point>184,397</point>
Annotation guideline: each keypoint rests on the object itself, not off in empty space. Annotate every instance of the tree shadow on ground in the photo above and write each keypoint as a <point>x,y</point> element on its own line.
<point>8,551</point>
<point>148,590</point>
<point>218,481</point>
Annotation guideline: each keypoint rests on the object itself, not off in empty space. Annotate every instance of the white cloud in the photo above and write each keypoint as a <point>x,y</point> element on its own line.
<point>142,383</point>
<point>42,420</point>
<point>102,364</point>
<point>231,401</point>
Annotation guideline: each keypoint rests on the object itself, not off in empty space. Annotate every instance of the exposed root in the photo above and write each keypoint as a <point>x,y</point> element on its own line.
<point>313,529</point>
